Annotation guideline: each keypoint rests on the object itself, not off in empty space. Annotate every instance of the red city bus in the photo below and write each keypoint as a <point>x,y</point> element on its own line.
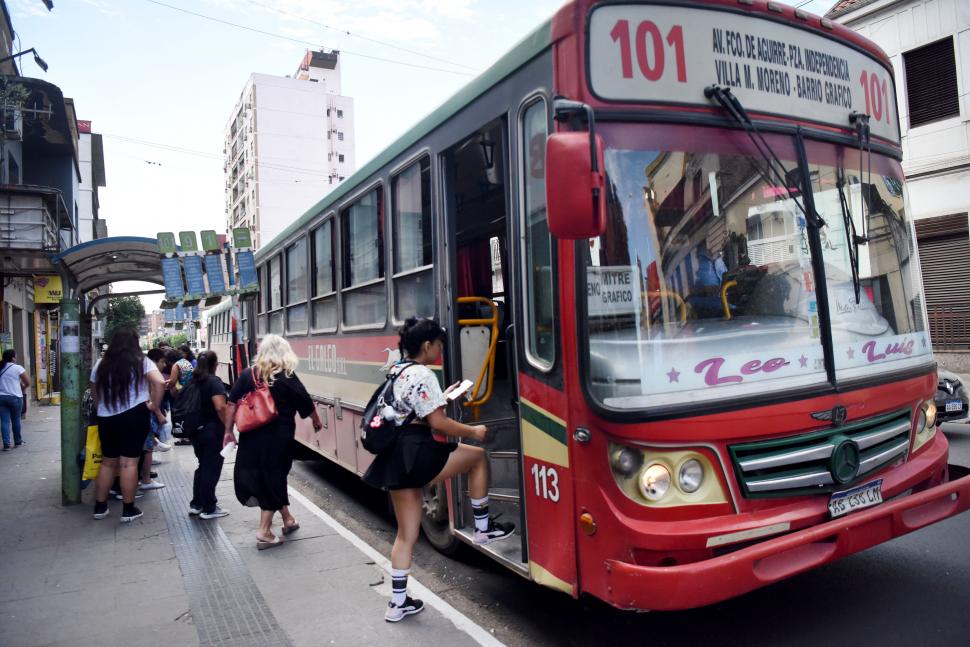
<point>671,245</point>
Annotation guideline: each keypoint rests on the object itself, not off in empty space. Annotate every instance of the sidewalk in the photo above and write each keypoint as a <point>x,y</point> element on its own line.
<point>171,579</point>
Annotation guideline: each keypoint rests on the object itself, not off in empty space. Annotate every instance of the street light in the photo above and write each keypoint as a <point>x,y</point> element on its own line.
<point>37,59</point>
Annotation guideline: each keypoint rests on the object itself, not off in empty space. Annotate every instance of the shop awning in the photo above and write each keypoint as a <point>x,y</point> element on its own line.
<point>107,260</point>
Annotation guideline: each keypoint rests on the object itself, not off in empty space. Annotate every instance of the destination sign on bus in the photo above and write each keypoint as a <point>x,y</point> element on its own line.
<point>613,291</point>
<point>670,54</point>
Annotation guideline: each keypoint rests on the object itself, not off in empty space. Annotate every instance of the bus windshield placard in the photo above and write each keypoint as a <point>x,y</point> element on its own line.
<point>655,53</point>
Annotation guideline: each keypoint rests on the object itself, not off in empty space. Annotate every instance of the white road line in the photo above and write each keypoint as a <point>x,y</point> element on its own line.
<point>459,619</point>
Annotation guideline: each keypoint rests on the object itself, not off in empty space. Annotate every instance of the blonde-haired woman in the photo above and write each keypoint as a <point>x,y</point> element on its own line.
<point>265,454</point>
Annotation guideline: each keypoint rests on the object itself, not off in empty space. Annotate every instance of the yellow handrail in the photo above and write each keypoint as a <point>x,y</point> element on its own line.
<point>724,288</point>
<point>488,367</point>
<point>664,294</point>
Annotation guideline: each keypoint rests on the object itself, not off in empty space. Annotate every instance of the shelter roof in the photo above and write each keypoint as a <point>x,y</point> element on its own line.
<point>106,260</point>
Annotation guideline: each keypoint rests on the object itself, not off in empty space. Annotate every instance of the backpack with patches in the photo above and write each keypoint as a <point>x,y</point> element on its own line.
<point>377,429</point>
<point>187,411</point>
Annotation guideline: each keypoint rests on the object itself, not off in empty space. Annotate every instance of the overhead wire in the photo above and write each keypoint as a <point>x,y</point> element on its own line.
<point>348,33</point>
<point>301,41</point>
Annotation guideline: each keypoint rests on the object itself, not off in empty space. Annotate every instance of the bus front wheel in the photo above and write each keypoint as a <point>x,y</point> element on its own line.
<point>434,521</point>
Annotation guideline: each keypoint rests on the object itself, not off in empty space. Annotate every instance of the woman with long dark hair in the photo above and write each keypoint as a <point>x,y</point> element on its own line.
<point>127,388</point>
<point>265,455</point>
<point>13,384</point>
<point>207,443</point>
<point>416,459</point>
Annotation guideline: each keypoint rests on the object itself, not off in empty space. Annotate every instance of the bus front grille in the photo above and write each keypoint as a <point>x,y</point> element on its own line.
<point>802,464</point>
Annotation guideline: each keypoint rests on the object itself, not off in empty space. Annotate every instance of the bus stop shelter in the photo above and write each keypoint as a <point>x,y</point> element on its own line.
<point>83,268</point>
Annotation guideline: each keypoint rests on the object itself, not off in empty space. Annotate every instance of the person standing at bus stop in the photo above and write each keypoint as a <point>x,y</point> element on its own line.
<point>416,459</point>
<point>207,442</point>
<point>13,382</point>
<point>265,454</point>
<point>127,388</point>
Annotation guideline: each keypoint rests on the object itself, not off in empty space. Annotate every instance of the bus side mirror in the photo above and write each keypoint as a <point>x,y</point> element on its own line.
<point>575,195</point>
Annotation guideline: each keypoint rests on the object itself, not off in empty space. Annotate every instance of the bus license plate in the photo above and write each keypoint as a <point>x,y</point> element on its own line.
<point>954,405</point>
<point>857,498</point>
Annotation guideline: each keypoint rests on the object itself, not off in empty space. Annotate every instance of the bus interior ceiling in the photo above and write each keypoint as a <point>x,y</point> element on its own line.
<point>477,174</point>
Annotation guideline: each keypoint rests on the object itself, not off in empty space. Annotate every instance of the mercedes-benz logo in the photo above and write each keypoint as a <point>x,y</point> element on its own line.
<point>845,460</point>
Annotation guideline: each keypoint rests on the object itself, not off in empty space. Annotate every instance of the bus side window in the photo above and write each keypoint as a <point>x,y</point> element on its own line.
<point>411,250</point>
<point>362,256</point>
<point>538,267</point>
<point>323,279</point>
<point>296,276</point>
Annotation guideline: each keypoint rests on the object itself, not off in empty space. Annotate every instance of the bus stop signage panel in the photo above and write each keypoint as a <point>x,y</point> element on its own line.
<point>667,54</point>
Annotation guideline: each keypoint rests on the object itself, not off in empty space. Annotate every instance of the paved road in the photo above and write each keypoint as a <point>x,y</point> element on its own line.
<point>911,591</point>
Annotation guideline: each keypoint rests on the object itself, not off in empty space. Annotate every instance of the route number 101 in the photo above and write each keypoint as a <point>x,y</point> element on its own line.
<point>547,482</point>
<point>649,45</point>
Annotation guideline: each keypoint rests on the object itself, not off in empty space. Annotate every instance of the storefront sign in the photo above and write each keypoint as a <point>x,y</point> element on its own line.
<point>48,289</point>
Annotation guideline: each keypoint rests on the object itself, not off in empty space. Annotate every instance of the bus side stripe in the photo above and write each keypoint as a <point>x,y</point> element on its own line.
<point>544,421</point>
<point>541,446</point>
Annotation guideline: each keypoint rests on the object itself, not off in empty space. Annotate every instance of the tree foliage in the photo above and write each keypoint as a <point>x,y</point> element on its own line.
<point>122,312</point>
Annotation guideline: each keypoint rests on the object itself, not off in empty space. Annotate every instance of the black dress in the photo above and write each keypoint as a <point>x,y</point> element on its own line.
<point>265,455</point>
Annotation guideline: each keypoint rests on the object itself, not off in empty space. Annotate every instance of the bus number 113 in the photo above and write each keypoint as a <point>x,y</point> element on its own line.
<point>547,482</point>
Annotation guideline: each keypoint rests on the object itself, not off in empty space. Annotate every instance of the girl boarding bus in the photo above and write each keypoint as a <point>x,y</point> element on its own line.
<point>671,245</point>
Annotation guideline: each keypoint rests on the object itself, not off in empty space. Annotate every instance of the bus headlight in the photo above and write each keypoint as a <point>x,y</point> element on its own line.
<point>654,482</point>
<point>690,476</point>
<point>626,461</point>
<point>925,425</point>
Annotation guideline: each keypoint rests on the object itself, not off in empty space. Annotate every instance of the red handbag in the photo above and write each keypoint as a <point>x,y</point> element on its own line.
<point>256,408</point>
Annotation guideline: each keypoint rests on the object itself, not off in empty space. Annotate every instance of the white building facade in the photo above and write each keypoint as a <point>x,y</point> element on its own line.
<point>928,42</point>
<point>290,141</point>
<point>91,163</point>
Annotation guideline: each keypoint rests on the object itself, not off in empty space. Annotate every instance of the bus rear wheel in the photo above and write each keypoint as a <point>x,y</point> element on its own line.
<point>434,521</point>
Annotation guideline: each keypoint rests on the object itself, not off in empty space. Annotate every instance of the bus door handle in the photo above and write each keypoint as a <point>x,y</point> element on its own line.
<point>510,363</point>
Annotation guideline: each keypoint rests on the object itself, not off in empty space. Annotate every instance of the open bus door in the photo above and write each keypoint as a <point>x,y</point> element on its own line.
<point>476,184</point>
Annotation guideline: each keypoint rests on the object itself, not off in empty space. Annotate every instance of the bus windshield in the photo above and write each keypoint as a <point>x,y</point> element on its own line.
<point>702,286</point>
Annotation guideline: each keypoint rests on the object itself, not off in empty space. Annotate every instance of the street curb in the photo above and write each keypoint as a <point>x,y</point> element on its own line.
<point>457,618</point>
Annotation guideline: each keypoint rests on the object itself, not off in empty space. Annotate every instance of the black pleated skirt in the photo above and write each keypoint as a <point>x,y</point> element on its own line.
<point>412,461</point>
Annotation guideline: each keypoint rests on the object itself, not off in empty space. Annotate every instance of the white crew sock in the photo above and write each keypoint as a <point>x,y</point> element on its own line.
<point>480,508</point>
<point>399,585</point>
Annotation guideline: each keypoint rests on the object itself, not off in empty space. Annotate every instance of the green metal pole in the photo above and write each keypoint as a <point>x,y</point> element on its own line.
<point>70,358</point>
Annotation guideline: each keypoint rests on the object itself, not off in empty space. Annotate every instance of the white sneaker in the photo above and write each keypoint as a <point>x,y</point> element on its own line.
<point>156,462</point>
<point>153,485</point>
<point>162,447</point>
<point>396,613</point>
<point>138,494</point>
<point>193,511</point>
<point>215,514</point>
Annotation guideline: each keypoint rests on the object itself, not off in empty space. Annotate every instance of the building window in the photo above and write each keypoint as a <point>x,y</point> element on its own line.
<point>329,134</point>
<point>340,113</point>
<point>362,254</point>
<point>411,247</point>
<point>340,158</point>
<point>340,135</point>
<point>539,279</point>
<point>296,287</point>
<point>328,112</point>
<point>931,83</point>
<point>324,284</point>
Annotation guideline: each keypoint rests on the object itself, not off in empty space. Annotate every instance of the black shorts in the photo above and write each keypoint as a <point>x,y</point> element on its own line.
<point>124,434</point>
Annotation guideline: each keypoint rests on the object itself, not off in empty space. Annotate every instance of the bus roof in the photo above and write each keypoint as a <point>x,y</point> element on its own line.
<point>528,48</point>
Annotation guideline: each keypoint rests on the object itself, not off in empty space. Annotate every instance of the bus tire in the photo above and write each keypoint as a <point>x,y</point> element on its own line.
<point>434,521</point>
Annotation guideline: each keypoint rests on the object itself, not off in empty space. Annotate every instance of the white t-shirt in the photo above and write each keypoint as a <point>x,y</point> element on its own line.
<point>134,397</point>
<point>416,390</point>
<point>10,380</point>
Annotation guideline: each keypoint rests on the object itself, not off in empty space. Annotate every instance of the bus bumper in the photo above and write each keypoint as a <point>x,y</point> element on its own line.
<point>631,586</point>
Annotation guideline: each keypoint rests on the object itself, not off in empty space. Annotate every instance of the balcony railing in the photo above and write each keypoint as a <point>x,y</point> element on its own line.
<point>34,218</point>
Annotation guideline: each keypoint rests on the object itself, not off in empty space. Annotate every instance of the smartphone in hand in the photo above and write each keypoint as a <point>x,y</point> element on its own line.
<point>459,390</point>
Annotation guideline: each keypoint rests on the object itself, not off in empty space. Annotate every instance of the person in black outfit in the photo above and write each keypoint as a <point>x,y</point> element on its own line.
<point>208,442</point>
<point>264,457</point>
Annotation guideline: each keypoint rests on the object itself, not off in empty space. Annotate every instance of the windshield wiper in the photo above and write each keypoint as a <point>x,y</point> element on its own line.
<point>853,239</point>
<point>733,107</point>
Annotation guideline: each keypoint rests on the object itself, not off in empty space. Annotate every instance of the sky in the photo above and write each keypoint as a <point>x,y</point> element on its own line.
<point>159,83</point>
